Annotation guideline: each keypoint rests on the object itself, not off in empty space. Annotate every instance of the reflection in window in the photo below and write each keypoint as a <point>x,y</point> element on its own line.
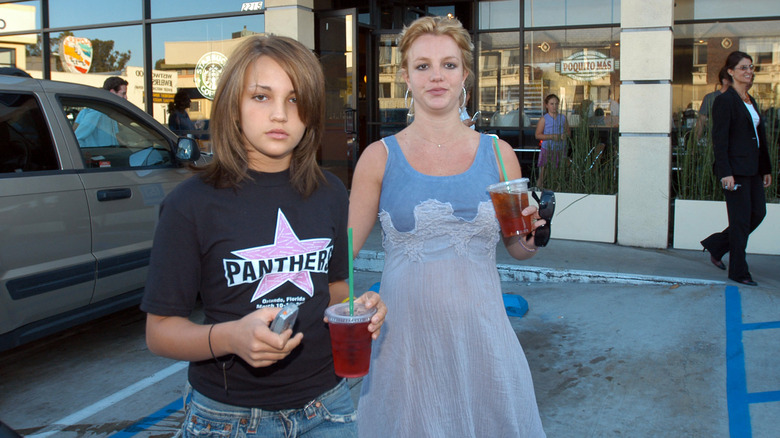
<point>7,57</point>
<point>89,57</point>
<point>700,51</point>
<point>392,105</point>
<point>499,81</point>
<point>580,66</point>
<point>167,8</point>
<point>544,13</point>
<point>188,56</point>
<point>67,13</point>
<point>19,17</point>
<point>499,14</point>
<point>717,9</point>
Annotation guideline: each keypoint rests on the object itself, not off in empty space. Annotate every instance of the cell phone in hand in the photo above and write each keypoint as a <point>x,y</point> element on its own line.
<point>285,318</point>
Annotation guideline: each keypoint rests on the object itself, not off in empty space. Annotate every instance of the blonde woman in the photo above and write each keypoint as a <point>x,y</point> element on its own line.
<point>447,363</point>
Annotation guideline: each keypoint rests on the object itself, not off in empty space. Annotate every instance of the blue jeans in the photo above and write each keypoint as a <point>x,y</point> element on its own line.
<point>331,415</point>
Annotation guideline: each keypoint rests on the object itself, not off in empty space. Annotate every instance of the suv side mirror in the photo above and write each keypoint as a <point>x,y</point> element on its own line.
<point>187,149</point>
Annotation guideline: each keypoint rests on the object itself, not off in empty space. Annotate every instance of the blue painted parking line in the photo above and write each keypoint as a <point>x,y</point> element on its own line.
<point>146,423</point>
<point>739,400</point>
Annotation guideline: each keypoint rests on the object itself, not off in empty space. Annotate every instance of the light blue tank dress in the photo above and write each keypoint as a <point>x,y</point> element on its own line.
<point>447,362</point>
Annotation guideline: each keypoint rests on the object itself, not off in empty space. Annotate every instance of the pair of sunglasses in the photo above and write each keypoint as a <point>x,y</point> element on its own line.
<point>546,210</point>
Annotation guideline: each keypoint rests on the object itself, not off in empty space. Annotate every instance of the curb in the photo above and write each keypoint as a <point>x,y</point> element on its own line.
<point>373,261</point>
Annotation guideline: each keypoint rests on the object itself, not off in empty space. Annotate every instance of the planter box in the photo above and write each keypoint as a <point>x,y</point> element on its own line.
<point>580,216</point>
<point>695,220</point>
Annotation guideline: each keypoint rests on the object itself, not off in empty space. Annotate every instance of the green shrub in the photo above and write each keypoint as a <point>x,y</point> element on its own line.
<point>693,163</point>
<point>590,164</point>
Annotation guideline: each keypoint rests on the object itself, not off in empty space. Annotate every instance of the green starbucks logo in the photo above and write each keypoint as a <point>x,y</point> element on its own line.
<point>207,73</point>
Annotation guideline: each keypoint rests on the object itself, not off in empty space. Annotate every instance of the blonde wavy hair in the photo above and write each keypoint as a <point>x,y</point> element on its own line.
<point>450,27</point>
<point>229,166</point>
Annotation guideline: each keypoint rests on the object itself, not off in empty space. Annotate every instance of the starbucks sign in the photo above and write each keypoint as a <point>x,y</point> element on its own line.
<point>207,73</point>
<point>587,65</point>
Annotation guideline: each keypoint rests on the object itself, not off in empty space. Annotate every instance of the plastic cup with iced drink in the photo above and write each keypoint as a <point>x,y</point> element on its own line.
<point>350,339</point>
<point>509,199</point>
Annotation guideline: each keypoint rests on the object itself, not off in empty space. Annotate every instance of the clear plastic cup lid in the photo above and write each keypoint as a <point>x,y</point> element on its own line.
<point>515,184</point>
<point>339,314</point>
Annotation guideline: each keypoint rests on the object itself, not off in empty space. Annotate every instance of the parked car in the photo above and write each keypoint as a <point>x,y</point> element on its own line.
<point>76,219</point>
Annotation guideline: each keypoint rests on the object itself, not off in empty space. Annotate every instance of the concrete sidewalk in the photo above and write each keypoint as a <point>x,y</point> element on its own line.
<point>589,262</point>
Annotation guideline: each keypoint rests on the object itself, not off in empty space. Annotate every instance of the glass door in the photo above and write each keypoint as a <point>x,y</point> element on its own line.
<point>337,33</point>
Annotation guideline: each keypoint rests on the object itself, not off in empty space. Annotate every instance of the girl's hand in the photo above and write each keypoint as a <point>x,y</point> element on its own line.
<point>252,339</point>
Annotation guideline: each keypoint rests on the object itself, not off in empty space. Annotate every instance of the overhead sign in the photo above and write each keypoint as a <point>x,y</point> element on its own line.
<point>207,73</point>
<point>587,65</point>
<point>76,54</point>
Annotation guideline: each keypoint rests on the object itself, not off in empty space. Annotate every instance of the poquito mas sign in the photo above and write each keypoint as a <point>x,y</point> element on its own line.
<point>587,65</point>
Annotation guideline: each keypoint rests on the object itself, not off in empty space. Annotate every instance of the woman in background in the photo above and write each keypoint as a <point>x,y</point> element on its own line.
<point>742,164</point>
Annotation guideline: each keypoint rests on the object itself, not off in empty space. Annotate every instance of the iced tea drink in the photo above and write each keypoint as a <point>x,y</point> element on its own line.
<point>350,339</point>
<point>509,199</point>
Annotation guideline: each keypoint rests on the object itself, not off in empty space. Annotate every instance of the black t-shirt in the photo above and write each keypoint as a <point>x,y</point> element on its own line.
<point>258,246</point>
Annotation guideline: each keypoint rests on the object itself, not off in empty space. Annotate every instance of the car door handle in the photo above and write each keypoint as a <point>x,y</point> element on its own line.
<point>113,194</point>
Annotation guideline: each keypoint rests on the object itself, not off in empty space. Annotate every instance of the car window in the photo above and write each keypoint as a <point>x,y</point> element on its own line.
<point>25,142</point>
<point>110,137</point>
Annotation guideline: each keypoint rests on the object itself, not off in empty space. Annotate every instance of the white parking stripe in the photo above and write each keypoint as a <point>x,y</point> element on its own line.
<point>110,400</point>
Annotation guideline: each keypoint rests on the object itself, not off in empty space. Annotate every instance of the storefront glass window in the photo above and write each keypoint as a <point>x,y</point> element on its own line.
<point>188,59</point>
<point>499,65</point>
<point>580,66</point>
<point>700,51</point>
<point>90,56</point>
<point>716,9</point>
<point>499,14</point>
<point>64,13</point>
<point>548,13</point>
<point>167,8</point>
<point>20,16</point>
<point>393,108</point>
<point>21,51</point>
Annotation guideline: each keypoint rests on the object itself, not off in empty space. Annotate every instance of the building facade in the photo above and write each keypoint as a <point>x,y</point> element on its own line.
<point>635,71</point>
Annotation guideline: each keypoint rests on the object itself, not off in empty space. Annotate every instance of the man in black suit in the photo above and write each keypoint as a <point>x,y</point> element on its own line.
<point>743,166</point>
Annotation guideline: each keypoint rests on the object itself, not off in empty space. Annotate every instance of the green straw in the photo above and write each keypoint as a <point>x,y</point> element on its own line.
<point>501,161</point>
<point>351,291</point>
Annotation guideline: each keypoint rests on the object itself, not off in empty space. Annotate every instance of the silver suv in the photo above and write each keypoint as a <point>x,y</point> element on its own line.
<point>77,217</point>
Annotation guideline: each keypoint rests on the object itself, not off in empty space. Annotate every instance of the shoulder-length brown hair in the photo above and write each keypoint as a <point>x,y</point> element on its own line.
<point>229,166</point>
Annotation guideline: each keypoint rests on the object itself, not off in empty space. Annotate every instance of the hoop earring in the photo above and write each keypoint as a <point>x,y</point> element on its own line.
<point>463,105</point>
<point>410,106</point>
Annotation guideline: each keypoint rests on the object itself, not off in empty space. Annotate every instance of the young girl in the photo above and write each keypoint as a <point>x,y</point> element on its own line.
<point>552,129</point>
<point>260,227</point>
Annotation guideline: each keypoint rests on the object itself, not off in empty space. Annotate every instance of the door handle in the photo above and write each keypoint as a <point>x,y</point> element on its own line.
<point>113,194</point>
<point>350,121</point>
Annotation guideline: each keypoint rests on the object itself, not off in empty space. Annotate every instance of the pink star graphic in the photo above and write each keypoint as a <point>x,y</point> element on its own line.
<point>286,244</point>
